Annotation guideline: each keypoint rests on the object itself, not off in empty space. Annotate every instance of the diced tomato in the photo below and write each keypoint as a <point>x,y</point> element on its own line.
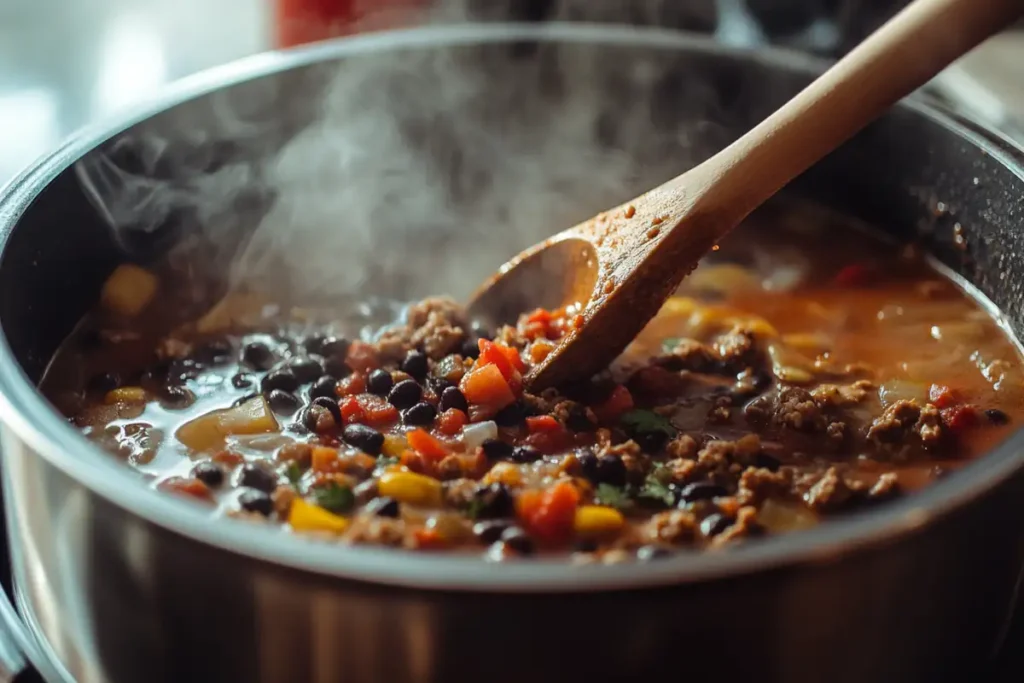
<point>486,386</point>
<point>192,488</point>
<point>426,445</point>
<point>452,421</point>
<point>324,459</point>
<point>351,411</point>
<point>542,423</point>
<point>617,403</point>
<point>549,515</point>
<point>504,357</point>
<point>413,461</point>
<point>377,409</point>
<point>228,458</point>
<point>351,385</point>
<point>958,418</point>
<point>942,396</point>
<point>362,357</point>
<point>852,275</point>
<point>550,442</point>
<point>429,539</point>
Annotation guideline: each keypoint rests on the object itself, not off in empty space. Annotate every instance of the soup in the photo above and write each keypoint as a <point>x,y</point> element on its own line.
<point>806,370</point>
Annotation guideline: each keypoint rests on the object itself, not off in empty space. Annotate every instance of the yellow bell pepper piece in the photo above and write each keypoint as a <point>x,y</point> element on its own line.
<point>128,290</point>
<point>305,517</point>
<point>125,395</point>
<point>394,445</point>
<point>504,473</point>
<point>592,520</point>
<point>412,488</point>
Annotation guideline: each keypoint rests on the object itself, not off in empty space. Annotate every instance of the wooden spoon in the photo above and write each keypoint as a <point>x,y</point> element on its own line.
<point>619,267</point>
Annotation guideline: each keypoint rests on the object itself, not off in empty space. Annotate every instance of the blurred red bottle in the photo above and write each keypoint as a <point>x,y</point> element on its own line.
<point>305,21</point>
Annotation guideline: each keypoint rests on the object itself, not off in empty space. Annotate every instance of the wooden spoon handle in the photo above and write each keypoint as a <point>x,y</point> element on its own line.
<point>903,55</point>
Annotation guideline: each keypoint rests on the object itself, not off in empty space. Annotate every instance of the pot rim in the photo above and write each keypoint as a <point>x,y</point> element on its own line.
<point>25,412</point>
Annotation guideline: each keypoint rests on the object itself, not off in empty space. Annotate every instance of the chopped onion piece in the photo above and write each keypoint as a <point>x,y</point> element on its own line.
<point>475,434</point>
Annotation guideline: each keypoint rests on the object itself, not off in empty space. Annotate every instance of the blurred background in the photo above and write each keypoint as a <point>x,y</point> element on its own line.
<point>64,63</point>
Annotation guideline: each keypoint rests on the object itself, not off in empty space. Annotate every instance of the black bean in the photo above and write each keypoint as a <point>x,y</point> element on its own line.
<point>314,344</point>
<point>422,414</point>
<point>242,381</point>
<point>588,466</point>
<point>610,470</point>
<point>525,454</point>
<point>258,356</point>
<point>651,442</point>
<point>256,477</point>
<point>366,439</point>
<point>996,416</point>
<point>209,472</point>
<point>493,501</point>
<point>470,349</point>
<point>511,415</point>
<point>334,347</point>
<point>379,382</point>
<point>183,369</point>
<point>405,394</point>
<point>439,384</point>
<point>331,405</point>
<point>310,417</point>
<point>648,553</point>
<point>714,524</point>
<point>767,462</point>
<point>453,398</point>
<point>306,368</point>
<point>701,490</point>
<point>415,365</point>
<point>298,427</point>
<point>585,545</point>
<point>516,539</point>
<point>155,375</point>
<point>323,387</point>
<point>495,449</point>
<point>384,507</point>
<point>176,397</point>
<point>578,421</point>
<point>490,531</point>
<point>214,352</point>
<point>336,367</point>
<point>284,380</point>
<point>104,382</point>
<point>283,403</point>
<point>256,501</point>
<point>243,399</point>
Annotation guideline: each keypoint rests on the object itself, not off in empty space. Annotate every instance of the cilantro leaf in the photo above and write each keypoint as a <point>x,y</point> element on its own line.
<point>613,496</point>
<point>669,344</point>
<point>646,422</point>
<point>334,497</point>
<point>656,487</point>
<point>293,473</point>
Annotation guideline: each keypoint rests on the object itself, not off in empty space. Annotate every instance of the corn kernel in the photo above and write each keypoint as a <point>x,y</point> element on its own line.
<point>409,487</point>
<point>128,290</point>
<point>305,517</point>
<point>597,519</point>
<point>504,473</point>
<point>125,395</point>
<point>394,445</point>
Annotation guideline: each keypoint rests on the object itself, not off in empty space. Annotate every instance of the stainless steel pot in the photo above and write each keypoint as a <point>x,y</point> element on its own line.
<point>119,584</point>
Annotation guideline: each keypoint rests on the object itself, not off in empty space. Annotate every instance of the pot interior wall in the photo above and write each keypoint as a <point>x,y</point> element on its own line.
<point>636,115</point>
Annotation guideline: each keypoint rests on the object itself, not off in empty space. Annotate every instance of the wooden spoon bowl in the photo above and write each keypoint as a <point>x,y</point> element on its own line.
<point>618,268</point>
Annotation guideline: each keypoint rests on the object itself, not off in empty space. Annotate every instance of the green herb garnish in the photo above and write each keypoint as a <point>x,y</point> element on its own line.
<point>669,345</point>
<point>643,422</point>
<point>293,473</point>
<point>334,497</point>
<point>613,496</point>
<point>474,508</point>
<point>656,486</point>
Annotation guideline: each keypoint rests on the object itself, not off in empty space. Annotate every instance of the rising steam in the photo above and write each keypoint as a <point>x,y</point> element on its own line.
<point>414,172</point>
